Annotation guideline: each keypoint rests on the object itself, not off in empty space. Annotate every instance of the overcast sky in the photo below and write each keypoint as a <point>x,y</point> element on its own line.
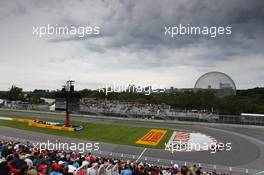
<point>131,47</point>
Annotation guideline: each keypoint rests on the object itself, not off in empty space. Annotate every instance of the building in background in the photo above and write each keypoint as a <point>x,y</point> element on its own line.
<point>220,83</point>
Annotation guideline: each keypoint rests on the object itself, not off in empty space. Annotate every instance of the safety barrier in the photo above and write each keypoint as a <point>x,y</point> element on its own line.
<point>42,125</point>
<point>168,162</point>
<point>22,120</point>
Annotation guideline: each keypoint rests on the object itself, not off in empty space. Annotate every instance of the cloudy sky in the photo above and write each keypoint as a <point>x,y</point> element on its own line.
<point>131,47</point>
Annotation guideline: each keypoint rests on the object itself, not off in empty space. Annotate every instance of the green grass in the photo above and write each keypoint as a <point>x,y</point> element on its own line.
<point>108,133</point>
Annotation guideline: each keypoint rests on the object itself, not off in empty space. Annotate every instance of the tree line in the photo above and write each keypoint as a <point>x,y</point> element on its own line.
<point>246,101</point>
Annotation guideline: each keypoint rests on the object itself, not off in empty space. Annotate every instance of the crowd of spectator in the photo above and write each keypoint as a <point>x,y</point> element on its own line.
<point>101,105</point>
<point>116,107</point>
<point>134,108</point>
<point>25,159</point>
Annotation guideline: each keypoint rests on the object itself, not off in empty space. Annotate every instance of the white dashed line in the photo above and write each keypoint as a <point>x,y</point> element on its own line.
<point>141,154</point>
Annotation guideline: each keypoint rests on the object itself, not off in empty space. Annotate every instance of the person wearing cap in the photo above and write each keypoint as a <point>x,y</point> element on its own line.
<point>126,170</point>
<point>42,169</point>
<point>29,162</point>
<point>66,171</point>
<point>32,172</point>
<point>199,171</point>
<point>56,170</point>
<point>4,168</point>
<point>193,168</point>
<point>71,168</point>
<point>185,171</point>
<point>90,157</point>
<point>13,169</point>
<point>175,169</point>
<point>139,169</point>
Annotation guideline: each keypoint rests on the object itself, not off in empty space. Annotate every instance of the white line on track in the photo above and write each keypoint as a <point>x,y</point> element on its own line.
<point>141,154</point>
<point>259,172</point>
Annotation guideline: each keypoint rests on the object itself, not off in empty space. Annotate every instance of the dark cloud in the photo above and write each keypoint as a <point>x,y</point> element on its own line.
<point>132,34</point>
<point>140,24</point>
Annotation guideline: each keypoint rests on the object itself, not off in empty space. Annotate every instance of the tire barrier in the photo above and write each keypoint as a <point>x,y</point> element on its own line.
<point>42,125</point>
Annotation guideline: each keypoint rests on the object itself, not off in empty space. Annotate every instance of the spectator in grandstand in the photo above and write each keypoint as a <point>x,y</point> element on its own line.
<point>90,157</point>
<point>56,169</point>
<point>4,168</point>
<point>126,170</point>
<point>24,159</point>
<point>32,172</point>
<point>193,168</point>
<point>42,169</point>
<point>199,171</point>
<point>185,171</point>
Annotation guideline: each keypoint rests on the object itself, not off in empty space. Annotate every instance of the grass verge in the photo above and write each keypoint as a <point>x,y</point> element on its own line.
<point>108,133</point>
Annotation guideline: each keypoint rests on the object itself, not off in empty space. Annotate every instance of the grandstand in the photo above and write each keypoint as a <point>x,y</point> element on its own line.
<point>25,159</point>
<point>133,109</point>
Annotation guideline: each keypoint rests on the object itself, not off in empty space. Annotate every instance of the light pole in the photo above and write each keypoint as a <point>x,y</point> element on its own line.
<point>69,88</point>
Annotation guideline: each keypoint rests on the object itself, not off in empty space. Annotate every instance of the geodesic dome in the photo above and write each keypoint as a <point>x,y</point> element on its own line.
<point>219,82</point>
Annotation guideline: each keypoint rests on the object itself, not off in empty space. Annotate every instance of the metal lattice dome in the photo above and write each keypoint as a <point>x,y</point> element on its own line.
<point>219,82</point>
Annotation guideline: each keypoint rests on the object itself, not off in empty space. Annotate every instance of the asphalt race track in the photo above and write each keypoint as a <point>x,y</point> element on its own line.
<point>247,143</point>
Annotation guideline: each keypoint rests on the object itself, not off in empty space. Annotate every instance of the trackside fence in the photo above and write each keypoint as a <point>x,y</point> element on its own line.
<point>166,163</point>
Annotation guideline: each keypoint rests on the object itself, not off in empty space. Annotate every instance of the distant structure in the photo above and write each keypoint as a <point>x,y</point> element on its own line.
<point>178,90</point>
<point>218,82</point>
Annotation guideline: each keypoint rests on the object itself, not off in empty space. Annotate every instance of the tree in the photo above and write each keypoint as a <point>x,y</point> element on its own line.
<point>15,93</point>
